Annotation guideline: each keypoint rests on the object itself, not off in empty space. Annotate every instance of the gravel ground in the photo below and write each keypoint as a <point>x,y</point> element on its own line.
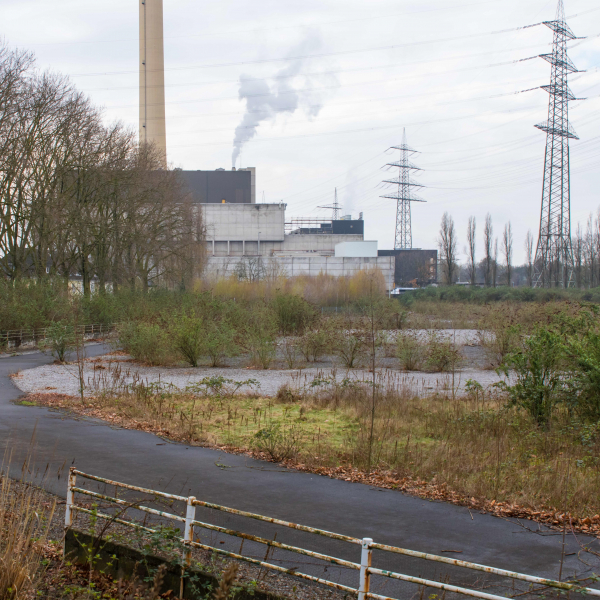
<point>114,370</point>
<point>63,379</point>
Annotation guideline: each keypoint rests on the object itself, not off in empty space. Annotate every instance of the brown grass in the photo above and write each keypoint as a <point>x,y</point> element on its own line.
<point>24,521</point>
<point>432,314</point>
<point>226,584</point>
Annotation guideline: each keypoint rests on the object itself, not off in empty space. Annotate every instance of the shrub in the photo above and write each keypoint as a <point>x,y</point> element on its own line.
<point>189,338</point>
<point>583,353</point>
<point>540,380</point>
<point>146,342</point>
<point>410,351</point>
<point>442,354</point>
<point>500,337</point>
<point>349,345</point>
<point>60,338</point>
<point>259,337</point>
<point>291,352</point>
<point>219,342</point>
<point>288,395</point>
<point>315,343</point>
<point>279,442</point>
<point>293,313</point>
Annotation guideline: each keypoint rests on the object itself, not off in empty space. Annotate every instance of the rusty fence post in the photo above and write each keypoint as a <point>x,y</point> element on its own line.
<point>365,564</point>
<point>188,537</point>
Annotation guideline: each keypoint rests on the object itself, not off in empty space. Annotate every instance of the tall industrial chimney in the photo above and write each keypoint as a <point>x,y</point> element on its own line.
<point>153,128</point>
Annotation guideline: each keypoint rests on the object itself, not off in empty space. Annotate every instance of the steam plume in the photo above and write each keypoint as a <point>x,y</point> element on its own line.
<point>290,91</point>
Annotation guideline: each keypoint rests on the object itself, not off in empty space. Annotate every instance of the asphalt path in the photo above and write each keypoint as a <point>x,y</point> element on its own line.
<point>54,441</point>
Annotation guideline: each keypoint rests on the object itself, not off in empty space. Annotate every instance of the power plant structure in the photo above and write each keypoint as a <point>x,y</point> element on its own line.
<point>153,124</point>
<point>554,254</point>
<point>249,240</point>
<point>252,241</point>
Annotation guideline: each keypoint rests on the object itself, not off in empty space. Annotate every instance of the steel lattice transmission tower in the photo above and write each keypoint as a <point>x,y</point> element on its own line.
<point>335,207</point>
<point>404,196</point>
<point>554,253</point>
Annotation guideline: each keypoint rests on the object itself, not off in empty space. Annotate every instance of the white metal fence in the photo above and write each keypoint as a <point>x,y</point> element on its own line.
<point>367,545</point>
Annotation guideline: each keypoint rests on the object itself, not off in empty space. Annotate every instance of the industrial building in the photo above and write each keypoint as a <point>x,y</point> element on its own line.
<point>253,240</point>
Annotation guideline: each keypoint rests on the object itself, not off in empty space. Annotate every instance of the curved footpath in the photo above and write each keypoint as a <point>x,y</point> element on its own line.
<point>237,481</point>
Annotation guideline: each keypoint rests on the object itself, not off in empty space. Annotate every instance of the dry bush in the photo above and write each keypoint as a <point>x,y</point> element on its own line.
<point>226,584</point>
<point>24,522</point>
<point>410,350</point>
<point>442,355</point>
<point>348,341</point>
<point>322,290</point>
<point>315,343</point>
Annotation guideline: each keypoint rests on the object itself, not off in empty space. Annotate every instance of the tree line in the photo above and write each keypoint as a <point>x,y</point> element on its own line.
<point>497,267</point>
<point>79,198</point>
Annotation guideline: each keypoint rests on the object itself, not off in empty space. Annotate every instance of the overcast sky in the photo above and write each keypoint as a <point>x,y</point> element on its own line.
<point>345,78</point>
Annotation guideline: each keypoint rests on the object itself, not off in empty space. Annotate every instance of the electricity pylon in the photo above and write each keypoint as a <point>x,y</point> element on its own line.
<point>554,253</point>
<point>335,207</point>
<point>404,196</point>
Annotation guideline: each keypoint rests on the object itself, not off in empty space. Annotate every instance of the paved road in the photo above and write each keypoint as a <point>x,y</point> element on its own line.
<point>237,481</point>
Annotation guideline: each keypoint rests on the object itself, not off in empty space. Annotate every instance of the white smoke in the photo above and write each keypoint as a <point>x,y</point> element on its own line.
<point>290,90</point>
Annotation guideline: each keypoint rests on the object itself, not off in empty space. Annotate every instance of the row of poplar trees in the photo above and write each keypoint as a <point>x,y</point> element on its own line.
<point>80,198</point>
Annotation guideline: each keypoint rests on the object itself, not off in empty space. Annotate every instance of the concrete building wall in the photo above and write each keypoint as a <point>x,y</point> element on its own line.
<point>317,242</point>
<point>153,129</point>
<point>356,249</point>
<point>287,266</point>
<point>244,222</point>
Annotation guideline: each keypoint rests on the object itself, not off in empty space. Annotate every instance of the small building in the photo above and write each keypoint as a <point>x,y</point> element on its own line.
<point>413,267</point>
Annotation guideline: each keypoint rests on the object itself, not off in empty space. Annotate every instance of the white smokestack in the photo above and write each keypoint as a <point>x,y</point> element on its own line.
<point>153,128</point>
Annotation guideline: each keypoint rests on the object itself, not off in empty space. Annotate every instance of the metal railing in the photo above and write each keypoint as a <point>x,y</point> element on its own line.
<point>364,567</point>
<point>19,338</point>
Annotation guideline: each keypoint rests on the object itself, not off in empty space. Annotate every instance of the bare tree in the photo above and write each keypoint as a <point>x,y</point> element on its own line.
<point>471,229</point>
<point>578,257</point>
<point>590,250</point>
<point>488,233</point>
<point>507,251</point>
<point>78,198</point>
<point>495,264</point>
<point>529,257</point>
<point>447,244</point>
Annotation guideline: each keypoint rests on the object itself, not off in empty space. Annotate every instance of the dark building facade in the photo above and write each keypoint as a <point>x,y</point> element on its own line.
<point>414,266</point>
<point>340,227</point>
<point>218,187</point>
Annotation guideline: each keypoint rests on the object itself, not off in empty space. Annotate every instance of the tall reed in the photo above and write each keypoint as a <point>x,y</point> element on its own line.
<point>24,527</point>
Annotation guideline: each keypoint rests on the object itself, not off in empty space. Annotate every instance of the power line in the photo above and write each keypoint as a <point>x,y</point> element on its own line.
<point>322,54</point>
